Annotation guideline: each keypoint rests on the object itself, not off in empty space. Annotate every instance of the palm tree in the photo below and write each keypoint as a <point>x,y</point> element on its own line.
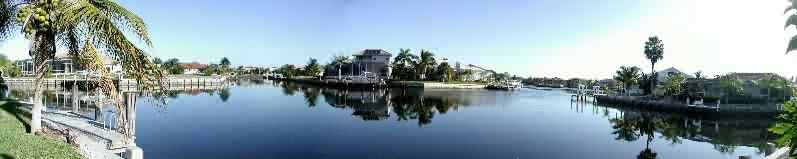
<point>628,75</point>
<point>426,63</point>
<point>403,65</point>
<point>699,75</point>
<point>225,62</point>
<point>338,62</point>
<point>225,65</point>
<point>157,61</point>
<point>87,29</point>
<point>445,72</point>
<point>312,68</point>
<point>654,51</point>
<point>789,22</point>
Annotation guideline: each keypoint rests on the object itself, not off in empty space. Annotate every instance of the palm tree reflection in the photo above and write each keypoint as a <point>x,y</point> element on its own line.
<point>379,104</point>
<point>725,133</point>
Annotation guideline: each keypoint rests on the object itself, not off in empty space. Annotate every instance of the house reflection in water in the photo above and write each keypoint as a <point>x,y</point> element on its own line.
<point>379,104</point>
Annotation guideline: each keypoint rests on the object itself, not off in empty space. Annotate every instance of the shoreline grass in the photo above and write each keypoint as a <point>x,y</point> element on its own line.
<point>16,143</point>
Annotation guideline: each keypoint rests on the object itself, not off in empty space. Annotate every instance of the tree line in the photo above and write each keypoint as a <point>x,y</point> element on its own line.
<point>424,67</point>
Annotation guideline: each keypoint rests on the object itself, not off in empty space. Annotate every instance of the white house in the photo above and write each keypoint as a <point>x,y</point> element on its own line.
<point>193,68</point>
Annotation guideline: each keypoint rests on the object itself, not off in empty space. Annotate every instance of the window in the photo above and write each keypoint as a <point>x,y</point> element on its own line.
<point>764,91</point>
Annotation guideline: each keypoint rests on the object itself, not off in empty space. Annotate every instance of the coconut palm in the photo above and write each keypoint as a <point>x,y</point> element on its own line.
<point>628,75</point>
<point>88,29</point>
<point>425,63</point>
<point>791,21</point>
<point>654,51</point>
<point>404,65</point>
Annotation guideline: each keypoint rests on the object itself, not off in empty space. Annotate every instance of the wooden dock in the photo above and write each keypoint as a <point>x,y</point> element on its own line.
<point>125,84</point>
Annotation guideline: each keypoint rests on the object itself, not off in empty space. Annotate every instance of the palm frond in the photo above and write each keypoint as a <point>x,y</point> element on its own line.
<point>792,45</point>
<point>791,21</point>
<point>124,18</point>
<point>7,13</point>
<point>98,24</point>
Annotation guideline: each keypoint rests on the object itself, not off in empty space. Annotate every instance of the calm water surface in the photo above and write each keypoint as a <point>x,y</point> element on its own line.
<point>286,120</point>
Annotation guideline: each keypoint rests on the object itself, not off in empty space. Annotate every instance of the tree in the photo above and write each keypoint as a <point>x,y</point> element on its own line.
<point>465,75</point>
<point>337,65</point>
<point>444,72</point>
<point>425,64</point>
<point>86,28</point>
<point>171,63</point>
<point>225,62</point>
<point>225,66</point>
<point>628,76</point>
<point>287,70</point>
<point>673,84</point>
<point>176,70</point>
<point>12,70</point>
<point>654,51</point>
<point>404,65</point>
<point>647,82</point>
<point>730,85</point>
<point>212,69</point>
<point>786,127</point>
<point>312,68</point>
<point>792,20</point>
<point>157,61</point>
<point>5,66</point>
<point>699,75</point>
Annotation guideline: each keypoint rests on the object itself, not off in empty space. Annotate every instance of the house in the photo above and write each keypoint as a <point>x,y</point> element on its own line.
<point>372,62</point>
<point>754,85</point>
<point>63,64</point>
<point>193,68</point>
<point>475,73</point>
<point>662,75</point>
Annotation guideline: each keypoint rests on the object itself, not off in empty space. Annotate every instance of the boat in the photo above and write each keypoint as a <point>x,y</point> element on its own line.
<point>505,85</point>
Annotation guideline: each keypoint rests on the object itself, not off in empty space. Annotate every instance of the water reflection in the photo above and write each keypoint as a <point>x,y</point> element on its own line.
<point>726,132</point>
<point>378,104</point>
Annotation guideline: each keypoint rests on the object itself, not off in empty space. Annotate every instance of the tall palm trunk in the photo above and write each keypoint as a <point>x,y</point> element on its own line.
<point>653,78</point>
<point>38,93</point>
<point>42,49</point>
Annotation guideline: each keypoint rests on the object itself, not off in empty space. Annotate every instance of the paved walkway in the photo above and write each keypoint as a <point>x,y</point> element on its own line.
<point>95,141</point>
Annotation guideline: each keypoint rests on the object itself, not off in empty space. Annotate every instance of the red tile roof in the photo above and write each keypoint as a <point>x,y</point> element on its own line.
<point>194,66</point>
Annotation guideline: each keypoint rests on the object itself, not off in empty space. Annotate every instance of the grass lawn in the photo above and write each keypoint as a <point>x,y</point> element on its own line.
<point>16,143</point>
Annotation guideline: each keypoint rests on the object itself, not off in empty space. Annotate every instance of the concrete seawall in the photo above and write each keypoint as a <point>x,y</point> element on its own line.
<point>672,106</point>
<point>433,85</point>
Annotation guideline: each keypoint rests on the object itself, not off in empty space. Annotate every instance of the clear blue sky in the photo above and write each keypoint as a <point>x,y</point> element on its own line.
<point>564,38</point>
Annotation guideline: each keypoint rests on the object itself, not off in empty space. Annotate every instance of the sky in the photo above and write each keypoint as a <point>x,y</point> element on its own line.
<point>551,38</point>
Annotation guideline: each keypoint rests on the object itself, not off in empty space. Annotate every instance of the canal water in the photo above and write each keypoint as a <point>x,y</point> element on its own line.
<point>288,120</point>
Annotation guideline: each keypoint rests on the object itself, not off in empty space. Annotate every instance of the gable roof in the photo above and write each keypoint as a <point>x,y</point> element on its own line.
<point>194,65</point>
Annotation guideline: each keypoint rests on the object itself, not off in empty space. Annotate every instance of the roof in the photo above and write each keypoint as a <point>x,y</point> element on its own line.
<point>193,65</point>
<point>373,52</point>
<point>662,75</point>
<point>754,76</point>
<point>106,60</point>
